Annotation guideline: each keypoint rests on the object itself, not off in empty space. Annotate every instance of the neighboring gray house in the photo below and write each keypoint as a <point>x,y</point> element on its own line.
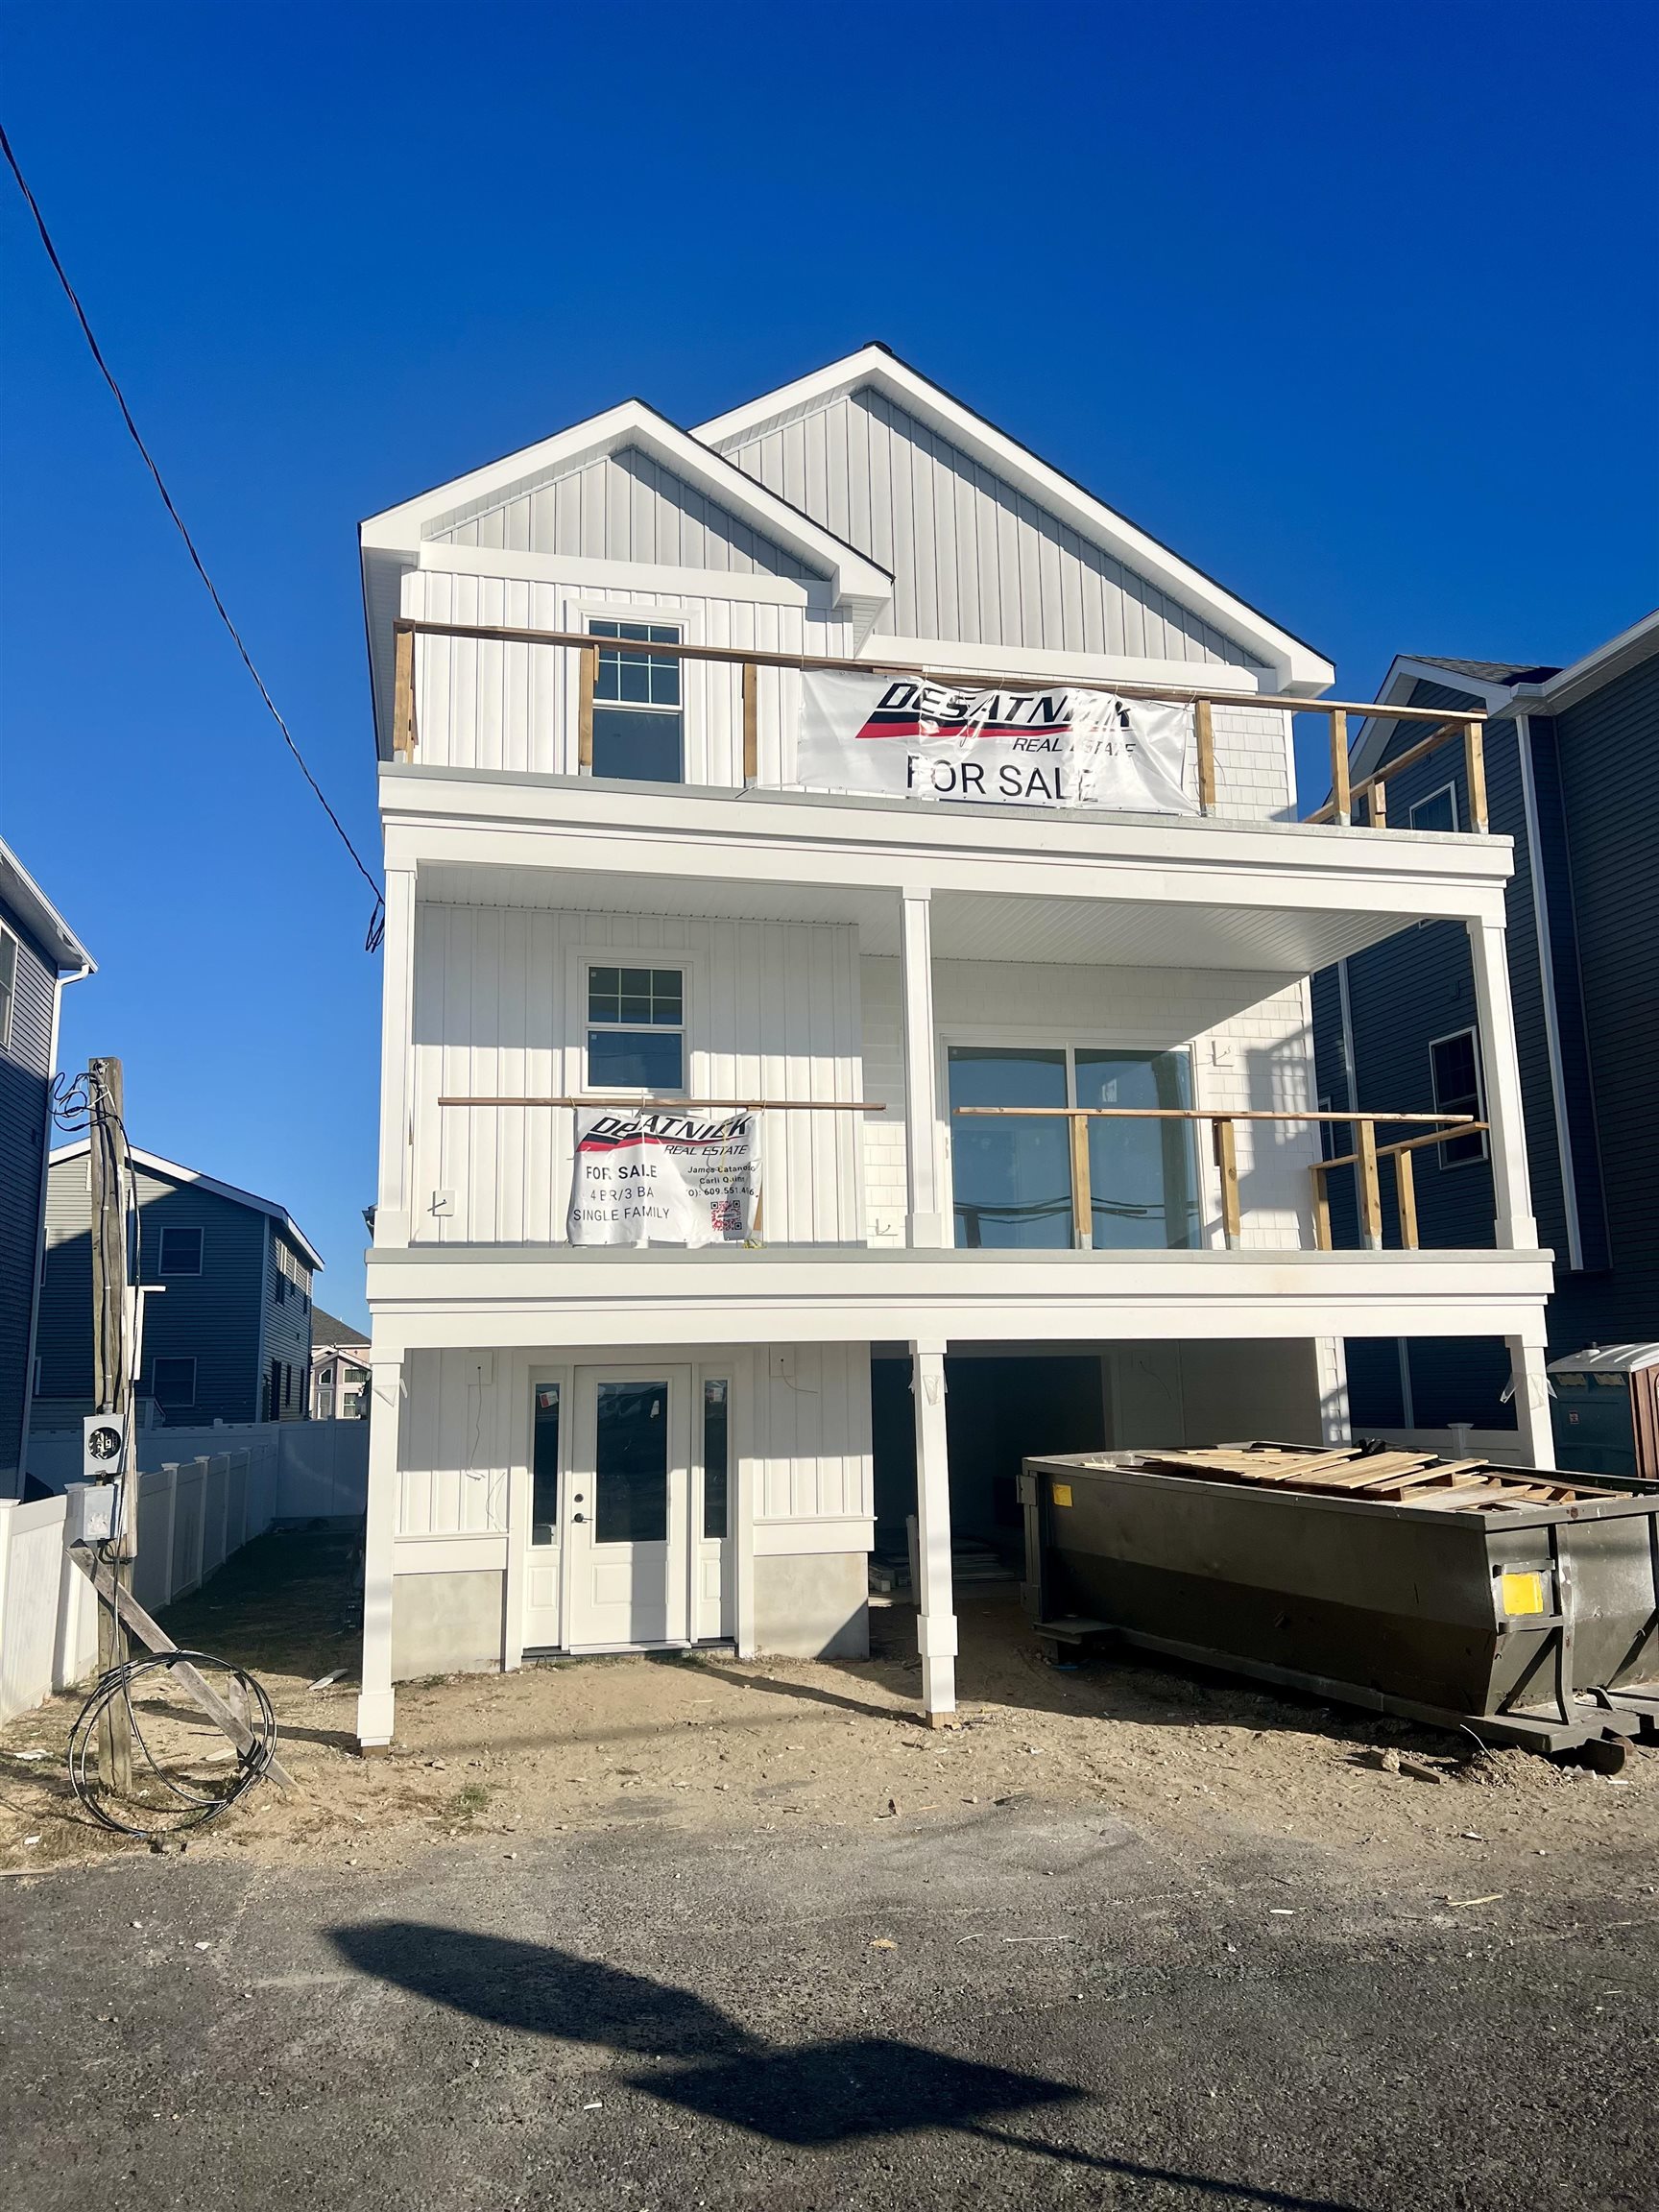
<point>38,953</point>
<point>339,1369</point>
<point>1569,758</point>
<point>228,1327</point>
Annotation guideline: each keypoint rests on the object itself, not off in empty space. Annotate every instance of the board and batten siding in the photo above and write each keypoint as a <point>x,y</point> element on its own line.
<point>625,506</point>
<point>801,1436</point>
<point>484,704</point>
<point>1257,1055</point>
<point>25,1081</point>
<point>972,557</point>
<point>772,1012</point>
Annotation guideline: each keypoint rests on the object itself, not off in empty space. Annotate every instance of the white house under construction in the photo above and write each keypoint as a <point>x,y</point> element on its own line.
<point>847,1026</point>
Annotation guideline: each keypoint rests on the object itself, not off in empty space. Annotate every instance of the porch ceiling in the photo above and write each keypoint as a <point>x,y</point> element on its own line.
<point>1279,942</point>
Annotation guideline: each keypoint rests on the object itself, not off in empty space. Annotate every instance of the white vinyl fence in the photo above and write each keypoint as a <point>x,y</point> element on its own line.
<point>193,1513</point>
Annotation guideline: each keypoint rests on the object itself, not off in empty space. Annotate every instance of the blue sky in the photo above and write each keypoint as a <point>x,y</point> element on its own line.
<point>1354,305</point>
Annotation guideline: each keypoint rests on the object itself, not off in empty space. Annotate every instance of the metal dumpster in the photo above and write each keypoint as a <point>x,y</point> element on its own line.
<point>1519,1604</point>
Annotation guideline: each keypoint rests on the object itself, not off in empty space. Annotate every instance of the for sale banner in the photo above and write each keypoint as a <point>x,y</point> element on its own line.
<point>649,1177</point>
<point>1057,748</point>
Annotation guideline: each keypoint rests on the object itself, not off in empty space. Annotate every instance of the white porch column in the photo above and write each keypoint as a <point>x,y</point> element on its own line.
<point>922,1164</point>
<point>935,1616</point>
<point>1501,1066</point>
<point>1331,1366</point>
<point>375,1701</point>
<point>1536,1430</point>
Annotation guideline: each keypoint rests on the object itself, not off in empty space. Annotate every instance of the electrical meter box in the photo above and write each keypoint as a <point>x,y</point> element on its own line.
<point>94,1512</point>
<point>104,1445</point>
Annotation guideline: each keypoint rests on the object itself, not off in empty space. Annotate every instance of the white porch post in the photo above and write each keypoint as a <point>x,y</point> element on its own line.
<point>1501,1066</point>
<point>375,1701</point>
<point>1331,1366</point>
<point>935,1616</point>
<point>922,1164</point>
<point>1536,1430</point>
<point>394,1199</point>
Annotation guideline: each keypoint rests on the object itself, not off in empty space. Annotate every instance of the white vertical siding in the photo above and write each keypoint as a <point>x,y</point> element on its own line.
<point>1262,1057</point>
<point>456,1444</point>
<point>972,557</point>
<point>809,1434</point>
<point>772,1013</point>
<point>625,506</point>
<point>485,705</point>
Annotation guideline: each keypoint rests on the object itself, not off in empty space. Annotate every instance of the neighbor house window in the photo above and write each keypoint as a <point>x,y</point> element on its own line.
<point>1454,1063</point>
<point>639,719</point>
<point>7,986</point>
<point>178,1252</point>
<point>173,1384</point>
<point>716,1458</point>
<point>1438,811</point>
<point>635,1028</point>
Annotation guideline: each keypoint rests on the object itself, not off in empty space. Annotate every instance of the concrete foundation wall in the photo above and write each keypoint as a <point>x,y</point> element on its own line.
<point>813,1607</point>
<point>446,1624</point>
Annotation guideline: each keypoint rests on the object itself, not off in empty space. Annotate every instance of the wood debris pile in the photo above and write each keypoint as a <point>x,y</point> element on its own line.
<point>1377,1477</point>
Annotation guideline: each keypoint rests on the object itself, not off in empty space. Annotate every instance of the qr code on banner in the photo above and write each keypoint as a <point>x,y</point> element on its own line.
<point>726,1217</point>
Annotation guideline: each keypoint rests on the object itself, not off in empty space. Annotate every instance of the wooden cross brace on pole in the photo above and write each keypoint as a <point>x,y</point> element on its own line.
<point>188,1678</point>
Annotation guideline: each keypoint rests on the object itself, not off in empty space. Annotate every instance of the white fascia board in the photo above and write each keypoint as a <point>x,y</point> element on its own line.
<point>1369,743</point>
<point>403,528</point>
<point>177,1174</point>
<point>1627,651</point>
<point>1296,667</point>
<point>439,559</point>
<point>37,915</point>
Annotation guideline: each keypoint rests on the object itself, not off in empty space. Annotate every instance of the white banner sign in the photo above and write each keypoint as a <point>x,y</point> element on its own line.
<point>1056,748</point>
<point>650,1177</point>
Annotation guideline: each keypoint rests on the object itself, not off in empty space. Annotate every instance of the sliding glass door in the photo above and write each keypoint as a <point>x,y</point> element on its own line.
<point>1012,1174</point>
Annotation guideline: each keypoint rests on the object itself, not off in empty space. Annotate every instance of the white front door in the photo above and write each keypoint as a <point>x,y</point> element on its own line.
<point>628,1516</point>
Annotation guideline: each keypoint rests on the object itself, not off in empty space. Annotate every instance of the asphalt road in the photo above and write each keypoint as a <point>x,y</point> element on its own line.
<point>1018,2009</point>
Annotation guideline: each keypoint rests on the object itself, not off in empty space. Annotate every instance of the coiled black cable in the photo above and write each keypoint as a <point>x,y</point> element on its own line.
<point>197,1805</point>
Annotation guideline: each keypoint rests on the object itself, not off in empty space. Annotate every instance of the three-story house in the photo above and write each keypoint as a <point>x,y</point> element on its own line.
<point>847,1023</point>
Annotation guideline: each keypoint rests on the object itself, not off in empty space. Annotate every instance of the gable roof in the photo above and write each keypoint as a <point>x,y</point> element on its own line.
<point>1501,686</point>
<point>19,891</point>
<point>329,1330</point>
<point>1296,666</point>
<point>176,1174</point>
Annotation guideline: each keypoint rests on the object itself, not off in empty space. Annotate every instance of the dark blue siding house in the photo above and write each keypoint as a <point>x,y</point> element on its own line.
<point>1569,758</point>
<point>228,1327</point>
<point>38,953</point>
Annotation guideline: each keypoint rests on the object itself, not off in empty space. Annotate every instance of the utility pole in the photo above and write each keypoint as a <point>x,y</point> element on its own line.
<point>114,1333</point>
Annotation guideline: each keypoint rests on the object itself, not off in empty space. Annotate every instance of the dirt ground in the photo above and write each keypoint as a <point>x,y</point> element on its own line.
<point>710,1742</point>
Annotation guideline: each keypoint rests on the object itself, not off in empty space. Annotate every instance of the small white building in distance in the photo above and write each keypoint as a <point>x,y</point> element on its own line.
<point>847,963</point>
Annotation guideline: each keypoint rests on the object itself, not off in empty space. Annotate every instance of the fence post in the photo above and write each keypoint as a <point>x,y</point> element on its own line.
<point>403,696</point>
<point>751,721</point>
<point>1321,1208</point>
<point>1475,771</point>
<point>1370,1192</point>
<point>1377,795</point>
<point>1406,1198</point>
<point>1204,733</point>
<point>1082,1198</point>
<point>198,1568</point>
<point>1341,801</point>
<point>586,683</point>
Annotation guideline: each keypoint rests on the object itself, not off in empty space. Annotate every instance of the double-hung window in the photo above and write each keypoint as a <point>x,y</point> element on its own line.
<point>637,1029</point>
<point>173,1384</point>
<point>638,714</point>
<point>1455,1064</point>
<point>1437,811</point>
<point>178,1252</point>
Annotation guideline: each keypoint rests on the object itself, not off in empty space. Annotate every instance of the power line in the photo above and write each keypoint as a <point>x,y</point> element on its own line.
<point>377,918</point>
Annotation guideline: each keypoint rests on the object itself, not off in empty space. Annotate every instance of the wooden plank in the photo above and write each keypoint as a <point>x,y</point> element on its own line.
<point>1475,772</point>
<point>980,679</point>
<point>1341,800</point>
<point>751,722</point>
<point>1082,1198</point>
<point>1227,1160</point>
<point>1406,1196</point>
<point>586,683</point>
<point>691,1105</point>
<point>1377,796</point>
<point>1370,1195</point>
<point>1204,733</point>
<point>403,696</point>
<point>133,1615</point>
<point>1321,1211</point>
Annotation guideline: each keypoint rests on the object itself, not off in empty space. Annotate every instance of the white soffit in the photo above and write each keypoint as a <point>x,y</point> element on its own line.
<point>1296,666</point>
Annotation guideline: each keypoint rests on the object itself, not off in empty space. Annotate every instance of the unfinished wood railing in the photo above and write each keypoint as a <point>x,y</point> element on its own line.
<point>751,659</point>
<point>1365,1156</point>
